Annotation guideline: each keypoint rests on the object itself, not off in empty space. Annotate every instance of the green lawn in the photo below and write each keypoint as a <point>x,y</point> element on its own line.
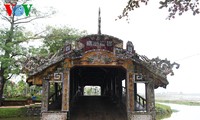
<point>12,112</point>
<point>162,111</point>
<point>38,97</point>
<point>181,102</point>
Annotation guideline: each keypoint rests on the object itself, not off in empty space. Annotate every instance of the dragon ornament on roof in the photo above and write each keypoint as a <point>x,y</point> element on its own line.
<point>158,66</point>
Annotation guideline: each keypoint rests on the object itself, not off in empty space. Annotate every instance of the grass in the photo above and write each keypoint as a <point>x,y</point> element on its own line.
<point>12,112</point>
<point>181,102</point>
<point>16,98</point>
<point>38,97</point>
<point>163,111</point>
<point>173,110</point>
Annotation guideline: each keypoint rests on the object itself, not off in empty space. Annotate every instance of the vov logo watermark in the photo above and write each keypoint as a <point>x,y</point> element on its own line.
<point>17,7</point>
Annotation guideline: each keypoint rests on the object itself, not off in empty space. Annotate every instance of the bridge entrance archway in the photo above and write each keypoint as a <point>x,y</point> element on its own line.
<point>112,101</point>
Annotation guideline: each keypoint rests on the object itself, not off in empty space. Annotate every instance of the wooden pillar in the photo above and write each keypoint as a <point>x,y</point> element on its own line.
<point>66,89</point>
<point>108,87</point>
<point>120,88</point>
<point>135,92</point>
<point>147,97</point>
<point>150,97</point>
<point>73,80</point>
<point>113,86</point>
<point>56,90</point>
<point>103,90</point>
<point>45,95</point>
<point>130,94</point>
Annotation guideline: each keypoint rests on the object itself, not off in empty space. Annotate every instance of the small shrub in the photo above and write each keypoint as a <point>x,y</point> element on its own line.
<point>163,111</point>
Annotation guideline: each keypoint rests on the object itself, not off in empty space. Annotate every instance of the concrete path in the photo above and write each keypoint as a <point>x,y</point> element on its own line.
<point>11,106</point>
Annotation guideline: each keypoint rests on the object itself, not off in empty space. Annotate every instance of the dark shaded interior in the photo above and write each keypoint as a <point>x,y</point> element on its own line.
<point>111,103</point>
<point>96,108</point>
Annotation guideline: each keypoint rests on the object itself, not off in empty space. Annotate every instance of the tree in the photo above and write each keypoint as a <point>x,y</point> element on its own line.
<point>10,89</point>
<point>56,37</point>
<point>12,35</point>
<point>54,40</point>
<point>174,7</point>
<point>21,88</point>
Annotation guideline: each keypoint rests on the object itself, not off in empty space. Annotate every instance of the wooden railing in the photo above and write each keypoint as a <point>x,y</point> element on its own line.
<point>123,95</point>
<point>141,101</point>
<point>52,97</point>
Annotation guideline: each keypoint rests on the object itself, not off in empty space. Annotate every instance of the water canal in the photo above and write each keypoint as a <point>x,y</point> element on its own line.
<point>185,112</point>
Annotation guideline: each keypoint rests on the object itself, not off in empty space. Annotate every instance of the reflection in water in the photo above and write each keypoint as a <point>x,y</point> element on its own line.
<point>185,112</point>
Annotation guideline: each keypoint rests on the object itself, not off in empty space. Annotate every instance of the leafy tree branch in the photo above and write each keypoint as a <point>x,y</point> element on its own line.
<point>175,7</point>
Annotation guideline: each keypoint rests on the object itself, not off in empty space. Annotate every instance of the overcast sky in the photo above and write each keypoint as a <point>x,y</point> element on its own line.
<point>152,35</point>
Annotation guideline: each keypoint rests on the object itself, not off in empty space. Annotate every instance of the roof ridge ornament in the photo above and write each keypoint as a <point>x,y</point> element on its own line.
<point>161,67</point>
<point>99,22</point>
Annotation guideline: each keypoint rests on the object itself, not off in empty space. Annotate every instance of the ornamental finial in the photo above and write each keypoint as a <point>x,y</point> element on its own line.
<point>99,22</point>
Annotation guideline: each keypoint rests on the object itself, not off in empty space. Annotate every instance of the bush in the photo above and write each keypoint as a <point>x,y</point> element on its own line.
<point>163,111</point>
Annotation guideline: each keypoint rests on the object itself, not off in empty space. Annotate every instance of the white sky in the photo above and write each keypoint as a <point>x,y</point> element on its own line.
<point>152,35</point>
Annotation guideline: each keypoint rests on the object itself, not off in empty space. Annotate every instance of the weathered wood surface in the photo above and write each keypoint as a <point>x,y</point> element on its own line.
<point>96,108</point>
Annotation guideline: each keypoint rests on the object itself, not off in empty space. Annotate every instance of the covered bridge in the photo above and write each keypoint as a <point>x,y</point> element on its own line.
<point>98,60</point>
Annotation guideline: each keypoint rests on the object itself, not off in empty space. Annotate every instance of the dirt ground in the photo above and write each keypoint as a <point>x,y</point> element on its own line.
<point>11,106</point>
